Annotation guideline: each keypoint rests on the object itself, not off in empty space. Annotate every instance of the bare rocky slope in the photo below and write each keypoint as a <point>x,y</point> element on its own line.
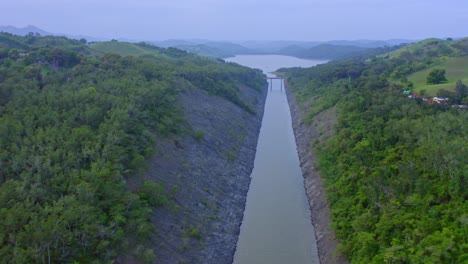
<point>207,173</point>
<point>319,129</point>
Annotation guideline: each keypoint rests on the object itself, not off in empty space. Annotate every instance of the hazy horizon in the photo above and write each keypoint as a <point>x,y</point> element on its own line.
<point>242,20</point>
<point>202,40</point>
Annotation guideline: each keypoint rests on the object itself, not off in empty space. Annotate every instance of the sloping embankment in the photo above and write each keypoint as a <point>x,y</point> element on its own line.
<point>208,176</point>
<point>305,134</point>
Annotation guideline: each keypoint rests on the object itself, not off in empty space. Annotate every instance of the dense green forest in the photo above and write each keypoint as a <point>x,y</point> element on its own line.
<point>395,169</point>
<point>323,51</point>
<point>75,124</point>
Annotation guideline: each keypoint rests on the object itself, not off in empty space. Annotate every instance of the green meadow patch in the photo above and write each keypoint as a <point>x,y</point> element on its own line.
<point>125,48</point>
<point>456,69</point>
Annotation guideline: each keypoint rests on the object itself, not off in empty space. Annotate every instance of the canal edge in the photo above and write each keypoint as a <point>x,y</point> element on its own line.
<point>320,212</point>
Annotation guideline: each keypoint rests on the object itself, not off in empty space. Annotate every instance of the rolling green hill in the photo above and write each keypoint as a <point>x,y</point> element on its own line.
<point>28,42</point>
<point>323,51</point>
<point>126,48</point>
<point>78,123</point>
<point>205,50</point>
<point>418,59</point>
<point>431,46</point>
<point>217,49</point>
<point>456,69</point>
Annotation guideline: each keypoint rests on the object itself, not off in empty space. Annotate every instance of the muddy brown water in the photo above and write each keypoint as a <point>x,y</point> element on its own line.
<point>277,224</point>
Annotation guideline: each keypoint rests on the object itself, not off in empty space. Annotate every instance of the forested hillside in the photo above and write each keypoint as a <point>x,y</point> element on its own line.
<point>323,51</point>
<point>395,168</point>
<point>76,125</point>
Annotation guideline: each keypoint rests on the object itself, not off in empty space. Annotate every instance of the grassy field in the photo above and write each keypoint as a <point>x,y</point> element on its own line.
<point>456,69</point>
<point>124,48</point>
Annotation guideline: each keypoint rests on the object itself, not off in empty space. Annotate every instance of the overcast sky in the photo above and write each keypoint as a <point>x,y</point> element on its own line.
<point>243,19</point>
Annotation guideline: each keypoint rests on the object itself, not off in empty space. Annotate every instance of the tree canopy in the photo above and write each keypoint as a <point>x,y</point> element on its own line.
<point>75,125</point>
<point>395,172</point>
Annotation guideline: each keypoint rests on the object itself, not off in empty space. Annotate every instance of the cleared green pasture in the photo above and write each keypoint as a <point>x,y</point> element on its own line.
<point>456,69</point>
<point>123,48</point>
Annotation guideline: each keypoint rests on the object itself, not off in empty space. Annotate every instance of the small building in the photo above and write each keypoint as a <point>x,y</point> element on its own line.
<point>440,100</point>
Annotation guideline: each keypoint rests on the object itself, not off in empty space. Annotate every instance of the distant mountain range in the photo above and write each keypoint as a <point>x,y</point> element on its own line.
<point>23,31</point>
<point>323,51</point>
<point>222,49</point>
<point>328,50</point>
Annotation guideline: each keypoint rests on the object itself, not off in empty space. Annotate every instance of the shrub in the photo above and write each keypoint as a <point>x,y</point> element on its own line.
<point>199,135</point>
<point>153,193</point>
<point>195,233</point>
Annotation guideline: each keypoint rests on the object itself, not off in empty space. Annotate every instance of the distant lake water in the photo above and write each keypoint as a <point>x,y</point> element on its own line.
<point>270,63</point>
<point>277,225</point>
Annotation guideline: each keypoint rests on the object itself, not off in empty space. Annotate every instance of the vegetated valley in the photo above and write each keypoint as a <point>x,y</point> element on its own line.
<point>394,163</point>
<point>119,152</point>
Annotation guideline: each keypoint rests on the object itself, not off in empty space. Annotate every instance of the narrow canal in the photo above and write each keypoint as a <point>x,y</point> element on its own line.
<point>277,225</point>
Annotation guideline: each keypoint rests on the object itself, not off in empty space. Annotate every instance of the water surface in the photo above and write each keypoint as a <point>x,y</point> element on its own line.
<point>276,226</point>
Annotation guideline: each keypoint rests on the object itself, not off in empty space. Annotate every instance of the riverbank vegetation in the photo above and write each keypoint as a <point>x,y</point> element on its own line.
<point>395,171</point>
<point>75,124</point>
